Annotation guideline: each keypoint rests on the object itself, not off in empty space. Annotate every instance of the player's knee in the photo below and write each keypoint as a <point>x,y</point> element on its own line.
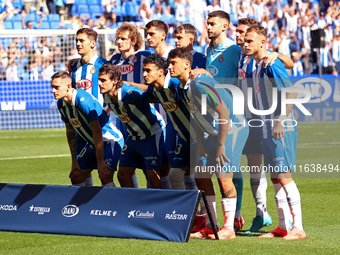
<point>106,178</point>
<point>78,177</point>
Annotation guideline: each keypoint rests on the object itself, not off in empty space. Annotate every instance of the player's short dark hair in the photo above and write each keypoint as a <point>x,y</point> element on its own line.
<point>61,75</point>
<point>134,34</point>
<point>247,21</point>
<point>159,25</point>
<point>91,34</point>
<point>157,60</point>
<point>182,53</point>
<point>260,30</point>
<point>219,14</point>
<point>188,29</point>
<point>113,72</point>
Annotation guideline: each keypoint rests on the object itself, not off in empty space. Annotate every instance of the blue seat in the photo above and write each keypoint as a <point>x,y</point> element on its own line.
<point>81,2</point>
<point>17,17</point>
<point>30,17</point>
<point>54,17</point>
<point>96,15</point>
<point>44,25</point>
<point>6,42</point>
<point>54,24</point>
<point>95,8</point>
<point>91,2</point>
<point>17,25</point>
<point>86,15</point>
<point>68,26</point>
<point>38,17</point>
<point>82,8</point>
<point>8,25</point>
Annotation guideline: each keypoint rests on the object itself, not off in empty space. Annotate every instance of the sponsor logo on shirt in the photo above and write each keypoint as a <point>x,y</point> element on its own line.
<point>75,122</point>
<point>84,84</point>
<point>213,70</point>
<point>170,106</point>
<point>241,74</point>
<point>124,118</point>
<point>126,69</point>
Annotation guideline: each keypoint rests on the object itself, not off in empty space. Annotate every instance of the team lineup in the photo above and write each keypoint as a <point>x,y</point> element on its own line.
<point>161,129</point>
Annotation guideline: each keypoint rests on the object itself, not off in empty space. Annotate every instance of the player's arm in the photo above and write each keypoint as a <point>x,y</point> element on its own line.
<point>198,72</point>
<point>138,85</point>
<point>224,115</point>
<point>71,139</point>
<point>272,56</point>
<point>99,145</point>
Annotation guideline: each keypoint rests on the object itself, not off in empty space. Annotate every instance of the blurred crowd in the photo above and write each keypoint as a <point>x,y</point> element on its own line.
<point>289,24</point>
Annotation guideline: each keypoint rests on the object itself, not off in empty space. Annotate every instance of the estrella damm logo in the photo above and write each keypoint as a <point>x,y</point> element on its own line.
<point>124,118</point>
<point>241,74</point>
<point>75,122</point>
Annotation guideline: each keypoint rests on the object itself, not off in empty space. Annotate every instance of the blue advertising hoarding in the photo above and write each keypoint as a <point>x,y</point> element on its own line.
<point>98,211</point>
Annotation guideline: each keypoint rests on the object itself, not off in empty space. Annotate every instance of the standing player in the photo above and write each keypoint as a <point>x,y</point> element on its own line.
<point>166,91</point>
<point>84,72</point>
<point>84,114</point>
<point>222,62</point>
<point>130,61</point>
<point>144,144</point>
<point>278,141</point>
<point>222,146</point>
<point>156,34</point>
<point>185,37</point>
<point>252,149</point>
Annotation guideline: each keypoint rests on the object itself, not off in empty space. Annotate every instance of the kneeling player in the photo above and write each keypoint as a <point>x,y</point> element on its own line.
<point>83,114</point>
<point>143,123</point>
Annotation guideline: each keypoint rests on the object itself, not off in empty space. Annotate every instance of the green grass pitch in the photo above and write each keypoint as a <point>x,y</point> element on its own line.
<point>42,157</point>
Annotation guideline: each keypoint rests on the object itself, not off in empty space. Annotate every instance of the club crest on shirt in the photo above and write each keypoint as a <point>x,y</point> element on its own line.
<point>126,69</point>
<point>84,84</point>
<point>170,106</point>
<point>93,70</point>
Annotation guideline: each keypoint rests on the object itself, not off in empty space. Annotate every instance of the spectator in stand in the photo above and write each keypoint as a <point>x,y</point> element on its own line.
<point>181,12</point>
<point>12,72</point>
<point>51,6</point>
<point>144,13</point>
<point>297,70</point>
<point>128,9</point>
<point>215,6</point>
<point>89,23</point>
<point>47,70</point>
<point>108,6</point>
<point>29,24</point>
<point>3,57</point>
<point>336,51</point>
<point>3,16</point>
<point>27,6</point>
<point>59,5</point>
<point>69,5</point>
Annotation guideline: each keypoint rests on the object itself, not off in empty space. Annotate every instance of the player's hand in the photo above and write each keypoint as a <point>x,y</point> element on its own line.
<point>221,158</point>
<point>270,58</point>
<point>103,169</point>
<point>75,167</point>
<point>279,131</point>
<point>198,72</point>
<point>200,151</point>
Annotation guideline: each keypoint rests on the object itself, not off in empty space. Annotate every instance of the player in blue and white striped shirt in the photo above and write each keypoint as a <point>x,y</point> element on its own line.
<point>143,123</point>
<point>130,61</point>
<point>278,141</point>
<point>222,144</point>
<point>165,89</point>
<point>83,114</point>
<point>84,71</point>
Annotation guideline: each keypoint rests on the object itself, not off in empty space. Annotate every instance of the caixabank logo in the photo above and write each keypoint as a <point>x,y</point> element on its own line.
<point>70,211</point>
<point>138,214</point>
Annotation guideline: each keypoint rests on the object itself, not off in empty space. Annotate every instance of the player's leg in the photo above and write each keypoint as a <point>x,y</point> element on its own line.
<point>86,160</point>
<point>80,145</point>
<point>112,151</point>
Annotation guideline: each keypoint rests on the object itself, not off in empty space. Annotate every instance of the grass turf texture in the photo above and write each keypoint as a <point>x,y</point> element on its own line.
<point>318,143</point>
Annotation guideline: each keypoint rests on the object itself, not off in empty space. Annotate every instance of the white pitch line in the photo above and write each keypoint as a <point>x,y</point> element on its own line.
<point>23,137</point>
<point>33,157</point>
